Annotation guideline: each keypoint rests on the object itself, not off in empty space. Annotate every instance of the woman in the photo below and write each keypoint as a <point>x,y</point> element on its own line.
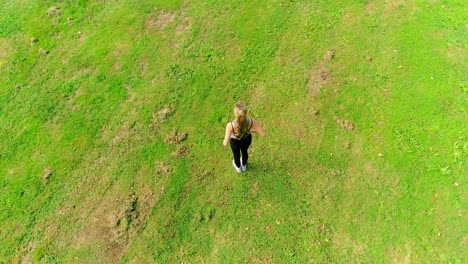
<point>238,134</point>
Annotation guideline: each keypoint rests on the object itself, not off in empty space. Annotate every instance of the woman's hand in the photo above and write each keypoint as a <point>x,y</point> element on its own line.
<point>257,128</point>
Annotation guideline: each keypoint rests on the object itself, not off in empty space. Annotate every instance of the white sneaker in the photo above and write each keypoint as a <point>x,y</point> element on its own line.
<point>235,167</point>
<point>243,168</point>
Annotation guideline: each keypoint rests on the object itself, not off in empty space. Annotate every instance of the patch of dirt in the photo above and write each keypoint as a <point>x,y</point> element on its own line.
<point>180,151</point>
<point>81,37</point>
<point>47,173</point>
<point>266,258</point>
<point>254,189</point>
<point>160,20</point>
<point>175,137</point>
<point>26,254</point>
<point>315,112</point>
<point>69,21</point>
<point>115,222</point>
<point>202,174</point>
<point>346,124</point>
<point>318,78</point>
<point>347,144</point>
<point>43,51</point>
<point>143,67</point>
<point>128,131</point>
<point>464,242</point>
<point>162,168</point>
<point>130,92</point>
<point>399,256</point>
<point>159,117</point>
<point>371,7</point>
<point>184,24</point>
<point>54,11</point>
<point>329,55</point>
<point>163,114</point>
<point>343,242</point>
<point>86,70</point>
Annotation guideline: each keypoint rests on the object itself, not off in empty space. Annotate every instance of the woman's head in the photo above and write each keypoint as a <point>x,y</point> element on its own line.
<point>241,125</point>
<point>240,110</point>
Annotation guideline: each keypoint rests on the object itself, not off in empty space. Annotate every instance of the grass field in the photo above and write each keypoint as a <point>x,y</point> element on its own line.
<point>112,116</point>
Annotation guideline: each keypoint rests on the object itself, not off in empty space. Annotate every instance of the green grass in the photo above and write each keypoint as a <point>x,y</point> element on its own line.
<point>392,190</point>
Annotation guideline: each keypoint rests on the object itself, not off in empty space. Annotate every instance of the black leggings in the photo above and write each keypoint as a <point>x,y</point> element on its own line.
<point>239,146</point>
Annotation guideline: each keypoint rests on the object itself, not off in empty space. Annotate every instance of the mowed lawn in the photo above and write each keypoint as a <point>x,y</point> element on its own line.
<point>112,116</point>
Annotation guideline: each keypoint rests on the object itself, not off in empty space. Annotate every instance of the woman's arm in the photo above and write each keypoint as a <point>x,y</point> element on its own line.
<point>257,128</point>
<point>228,134</point>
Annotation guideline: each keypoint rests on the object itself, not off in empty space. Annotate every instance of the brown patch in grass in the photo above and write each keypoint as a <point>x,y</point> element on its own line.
<point>371,7</point>
<point>266,258</point>
<point>161,168</point>
<point>47,173</point>
<point>318,78</point>
<point>345,124</point>
<point>115,221</point>
<point>464,242</point>
<point>160,20</point>
<point>26,254</point>
<point>329,55</point>
<point>81,37</point>
<point>398,255</point>
<point>185,23</point>
<point>130,92</point>
<point>159,117</point>
<point>180,151</point>
<point>175,137</point>
<point>127,132</point>
<point>347,144</point>
<point>143,67</point>
<point>202,175</point>
<point>54,11</point>
<point>343,242</point>
<point>163,114</point>
<point>5,51</point>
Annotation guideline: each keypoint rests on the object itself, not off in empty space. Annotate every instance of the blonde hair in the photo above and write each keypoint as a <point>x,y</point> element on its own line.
<point>241,126</point>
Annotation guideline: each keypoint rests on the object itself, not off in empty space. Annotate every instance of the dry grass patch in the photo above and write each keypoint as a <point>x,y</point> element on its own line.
<point>343,243</point>
<point>115,221</point>
<point>319,76</point>
<point>5,51</point>
<point>399,255</point>
<point>160,19</point>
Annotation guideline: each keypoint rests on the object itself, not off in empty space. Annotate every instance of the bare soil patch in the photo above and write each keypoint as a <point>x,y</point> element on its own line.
<point>162,168</point>
<point>47,173</point>
<point>159,117</point>
<point>346,124</point>
<point>398,255</point>
<point>115,221</point>
<point>127,132</point>
<point>180,151</point>
<point>318,78</point>
<point>163,114</point>
<point>26,254</point>
<point>54,11</point>
<point>175,137</point>
<point>160,20</point>
<point>202,175</point>
<point>371,7</point>
<point>329,55</point>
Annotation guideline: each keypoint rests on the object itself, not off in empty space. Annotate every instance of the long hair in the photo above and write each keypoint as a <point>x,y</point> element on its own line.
<point>241,125</point>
